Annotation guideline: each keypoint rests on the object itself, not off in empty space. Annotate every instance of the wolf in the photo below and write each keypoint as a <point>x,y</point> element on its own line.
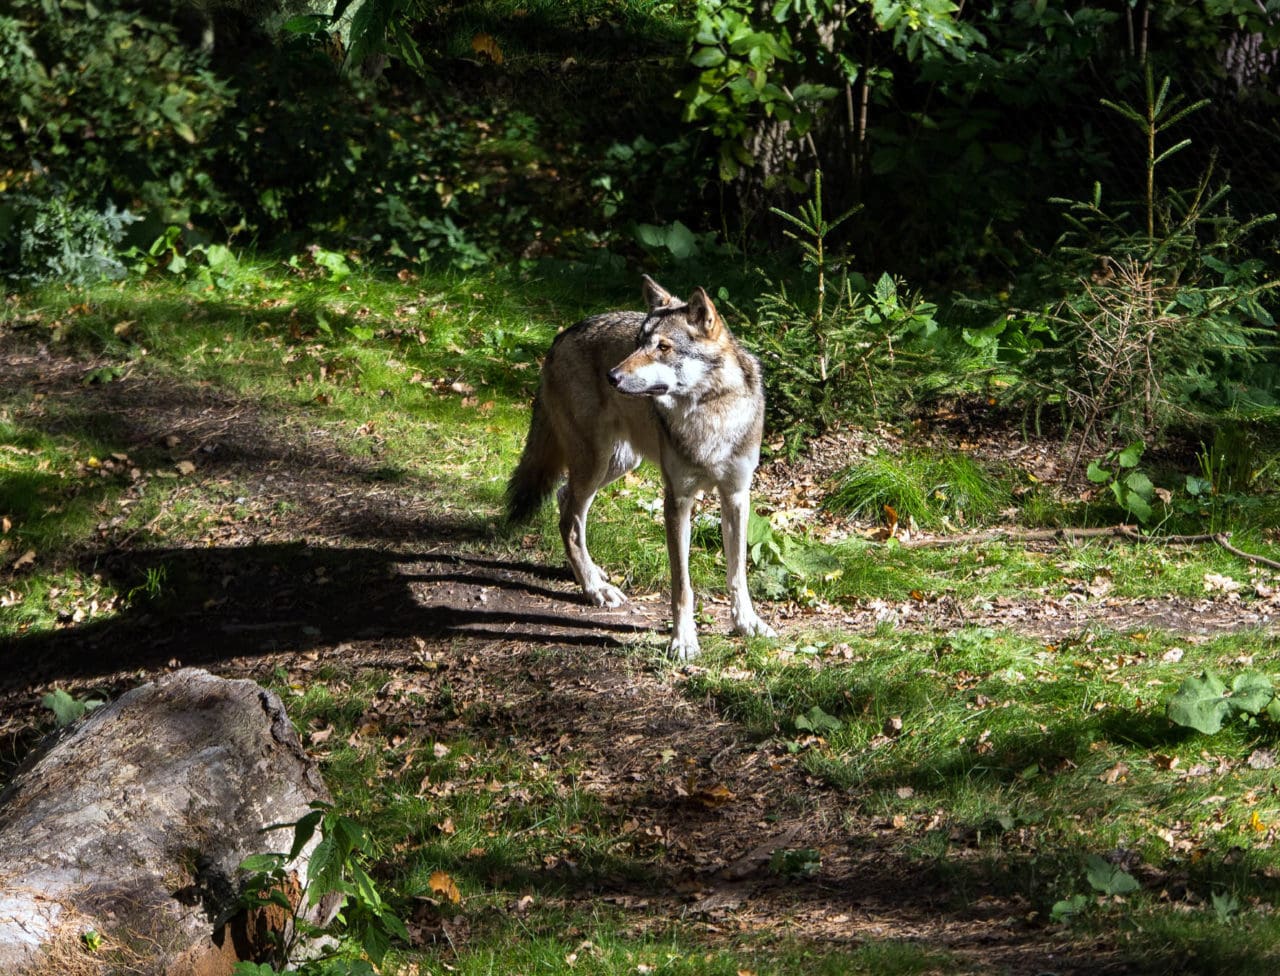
<point>670,385</point>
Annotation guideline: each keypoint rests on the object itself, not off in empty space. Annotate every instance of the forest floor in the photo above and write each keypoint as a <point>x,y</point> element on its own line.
<point>315,564</point>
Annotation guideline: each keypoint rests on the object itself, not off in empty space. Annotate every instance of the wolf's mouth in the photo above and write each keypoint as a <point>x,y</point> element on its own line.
<point>626,384</point>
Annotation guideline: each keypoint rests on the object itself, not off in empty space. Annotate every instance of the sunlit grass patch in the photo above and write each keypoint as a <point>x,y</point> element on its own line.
<point>604,944</point>
<point>1024,748</point>
<point>925,488</point>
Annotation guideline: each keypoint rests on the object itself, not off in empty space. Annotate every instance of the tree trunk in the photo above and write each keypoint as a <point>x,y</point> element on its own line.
<point>133,822</point>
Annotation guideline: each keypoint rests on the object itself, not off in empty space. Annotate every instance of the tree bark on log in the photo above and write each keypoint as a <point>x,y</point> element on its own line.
<point>133,822</point>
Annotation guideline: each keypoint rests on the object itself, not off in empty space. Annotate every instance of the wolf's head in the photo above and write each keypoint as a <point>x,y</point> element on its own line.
<point>679,347</point>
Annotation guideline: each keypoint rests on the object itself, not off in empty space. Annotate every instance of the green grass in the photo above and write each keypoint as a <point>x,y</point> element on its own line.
<point>1034,753</point>
<point>927,488</point>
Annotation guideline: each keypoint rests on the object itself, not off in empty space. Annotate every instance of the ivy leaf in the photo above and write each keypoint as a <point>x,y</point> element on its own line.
<point>1200,703</point>
<point>1107,878</point>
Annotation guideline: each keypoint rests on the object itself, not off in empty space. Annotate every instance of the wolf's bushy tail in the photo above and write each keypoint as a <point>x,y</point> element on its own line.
<point>541,465</point>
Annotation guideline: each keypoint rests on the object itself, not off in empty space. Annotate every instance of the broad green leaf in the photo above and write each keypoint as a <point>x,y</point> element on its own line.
<point>681,242</point>
<point>1130,456</point>
<point>816,720</point>
<point>886,289</point>
<point>808,562</point>
<point>1140,483</point>
<point>1200,703</point>
<point>306,24</point>
<point>1251,693</point>
<point>303,831</point>
<point>1107,878</point>
<point>1063,910</point>
<point>1225,905</point>
<point>1138,506</point>
<point>262,863</point>
<point>324,872</point>
<point>1097,473</point>
<point>253,969</point>
<point>65,708</point>
<point>1197,486</point>
<point>759,529</point>
<point>707,57</point>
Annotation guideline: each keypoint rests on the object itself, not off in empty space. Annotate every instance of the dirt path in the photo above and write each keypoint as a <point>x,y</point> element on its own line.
<point>315,561</point>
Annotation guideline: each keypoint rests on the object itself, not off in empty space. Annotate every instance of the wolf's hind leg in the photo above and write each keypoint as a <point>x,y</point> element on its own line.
<point>575,497</point>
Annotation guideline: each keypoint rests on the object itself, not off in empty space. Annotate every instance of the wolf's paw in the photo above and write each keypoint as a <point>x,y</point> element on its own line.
<point>683,648</point>
<point>753,626</point>
<point>606,595</point>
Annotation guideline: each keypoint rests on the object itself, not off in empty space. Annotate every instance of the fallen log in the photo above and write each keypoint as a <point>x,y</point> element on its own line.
<point>131,825</point>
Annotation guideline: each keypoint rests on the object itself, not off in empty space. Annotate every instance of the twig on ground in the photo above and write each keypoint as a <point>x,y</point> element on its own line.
<point>1221,539</point>
<point>1101,532</point>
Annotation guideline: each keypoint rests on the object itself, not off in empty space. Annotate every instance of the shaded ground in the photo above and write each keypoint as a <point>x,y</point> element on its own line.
<point>315,558</point>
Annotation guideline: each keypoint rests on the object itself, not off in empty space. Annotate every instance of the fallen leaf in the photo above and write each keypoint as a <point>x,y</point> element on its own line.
<point>1262,759</point>
<point>1116,774</point>
<point>443,885</point>
<point>1217,583</point>
<point>185,468</point>
<point>486,45</point>
<point>714,796</point>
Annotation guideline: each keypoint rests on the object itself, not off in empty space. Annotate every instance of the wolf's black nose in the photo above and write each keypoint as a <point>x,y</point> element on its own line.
<point>615,377</point>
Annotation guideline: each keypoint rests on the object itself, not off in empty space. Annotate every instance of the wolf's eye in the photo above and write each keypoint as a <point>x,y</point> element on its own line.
<point>664,345</point>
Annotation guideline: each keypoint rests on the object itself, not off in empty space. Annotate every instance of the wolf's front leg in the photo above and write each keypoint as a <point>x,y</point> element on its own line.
<point>684,633</point>
<point>735,510</point>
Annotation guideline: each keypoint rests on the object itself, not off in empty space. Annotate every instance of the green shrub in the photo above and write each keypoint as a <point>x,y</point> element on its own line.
<point>51,239</point>
<point>837,347</point>
<point>1162,314</point>
<point>107,105</point>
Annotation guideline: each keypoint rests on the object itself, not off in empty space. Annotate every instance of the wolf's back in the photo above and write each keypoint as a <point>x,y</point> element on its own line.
<point>573,385</point>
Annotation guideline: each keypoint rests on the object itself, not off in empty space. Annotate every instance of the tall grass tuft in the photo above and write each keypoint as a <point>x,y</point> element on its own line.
<point>926,487</point>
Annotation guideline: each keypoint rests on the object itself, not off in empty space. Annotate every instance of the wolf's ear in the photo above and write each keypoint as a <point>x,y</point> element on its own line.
<point>655,295</point>
<point>702,313</point>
